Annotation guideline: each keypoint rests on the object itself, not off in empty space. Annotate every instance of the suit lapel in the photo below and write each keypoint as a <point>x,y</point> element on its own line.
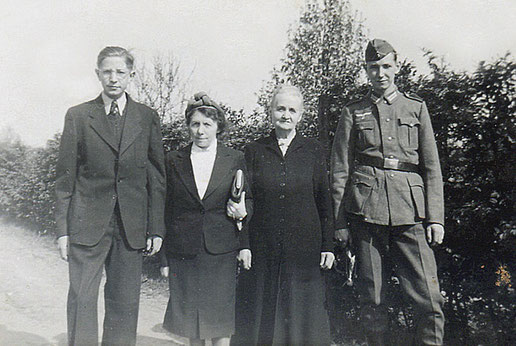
<point>297,142</point>
<point>99,123</point>
<point>132,127</point>
<point>220,169</point>
<point>185,171</point>
<point>271,143</point>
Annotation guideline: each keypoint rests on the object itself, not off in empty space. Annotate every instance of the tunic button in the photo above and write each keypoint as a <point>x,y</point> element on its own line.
<point>388,119</point>
<point>392,175</point>
<point>389,138</point>
<point>391,156</point>
<point>281,196</point>
<point>282,184</point>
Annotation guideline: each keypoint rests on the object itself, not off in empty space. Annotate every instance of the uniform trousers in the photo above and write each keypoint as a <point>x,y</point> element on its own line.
<point>121,292</point>
<point>406,248</point>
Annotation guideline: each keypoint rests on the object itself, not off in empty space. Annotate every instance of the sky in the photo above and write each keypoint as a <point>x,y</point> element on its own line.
<point>227,47</point>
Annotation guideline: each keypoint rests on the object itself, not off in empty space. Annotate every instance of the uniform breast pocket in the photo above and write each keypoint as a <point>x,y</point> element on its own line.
<point>408,132</point>
<point>366,136</point>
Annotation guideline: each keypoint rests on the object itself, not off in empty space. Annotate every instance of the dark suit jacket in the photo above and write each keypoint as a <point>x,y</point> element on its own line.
<point>94,172</point>
<point>188,218</point>
<point>292,207</point>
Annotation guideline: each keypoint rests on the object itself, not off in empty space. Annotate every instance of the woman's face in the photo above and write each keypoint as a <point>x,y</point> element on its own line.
<point>286,112</point>
<point>202,129</point>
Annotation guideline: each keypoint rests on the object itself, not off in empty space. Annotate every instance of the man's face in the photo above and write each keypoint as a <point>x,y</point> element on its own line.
<point>381,73</point>
<point>114,75</point>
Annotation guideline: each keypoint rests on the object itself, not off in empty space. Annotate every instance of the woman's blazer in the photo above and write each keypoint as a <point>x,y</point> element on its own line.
<point>189,219</point>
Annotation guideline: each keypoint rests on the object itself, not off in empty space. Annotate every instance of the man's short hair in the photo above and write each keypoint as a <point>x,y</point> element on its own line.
<point>111,51</point>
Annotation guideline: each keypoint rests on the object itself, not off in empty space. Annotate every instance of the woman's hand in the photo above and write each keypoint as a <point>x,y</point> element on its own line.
<point>164,271</point>
<point>235,210</point>
<point>244,257</point>
<point>327,259</point>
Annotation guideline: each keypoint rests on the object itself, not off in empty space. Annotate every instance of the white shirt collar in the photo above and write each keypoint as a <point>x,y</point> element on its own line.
<point>211,149</point>
<point>286,141</point>
<point>122,101</point>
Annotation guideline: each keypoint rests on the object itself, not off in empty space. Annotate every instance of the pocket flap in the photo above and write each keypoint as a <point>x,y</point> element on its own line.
<point>362,178</point>
<point>415,180</point>
<point>409,121</point>
<point>365,125</point>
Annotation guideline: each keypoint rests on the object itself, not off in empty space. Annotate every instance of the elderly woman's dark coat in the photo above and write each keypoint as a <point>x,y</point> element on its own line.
<point>281,299</point>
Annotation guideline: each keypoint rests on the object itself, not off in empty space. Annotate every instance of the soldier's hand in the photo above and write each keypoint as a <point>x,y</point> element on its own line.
<point>62,244</point>
<point>343,236</point>
<point>327,259</point>
<point>434,233</point>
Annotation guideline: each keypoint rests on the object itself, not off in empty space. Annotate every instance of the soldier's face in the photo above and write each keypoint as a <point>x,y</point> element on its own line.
<point>381,73</point>
<point>286,111</point>
<point>114,75</point>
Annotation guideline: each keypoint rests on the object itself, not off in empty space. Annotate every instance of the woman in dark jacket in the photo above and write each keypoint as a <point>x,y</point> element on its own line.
<point>202,239</point>
<point>281,299</point>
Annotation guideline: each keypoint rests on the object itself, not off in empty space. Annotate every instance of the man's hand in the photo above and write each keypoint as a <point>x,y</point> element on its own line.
<point>343,236</point>
<point>244,257</point>
<point>434,233</point>
<point>63,243</point>
<point>164,271</point>
<point>153,245</point>
<point>327,259</point>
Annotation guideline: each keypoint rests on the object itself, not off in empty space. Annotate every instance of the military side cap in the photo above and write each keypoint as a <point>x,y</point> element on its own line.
<point>377,49</point>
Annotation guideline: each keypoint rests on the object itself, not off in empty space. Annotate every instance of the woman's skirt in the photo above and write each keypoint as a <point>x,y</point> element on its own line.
<point>202,295</point>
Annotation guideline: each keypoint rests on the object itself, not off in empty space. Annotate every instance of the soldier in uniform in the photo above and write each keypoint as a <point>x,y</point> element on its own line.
<point>388,198</point>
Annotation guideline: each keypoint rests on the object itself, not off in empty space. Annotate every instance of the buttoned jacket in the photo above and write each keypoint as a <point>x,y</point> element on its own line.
<point>292,205</point>
<point>396,127</point>
<point>192,222</point>
<point>95,171</point>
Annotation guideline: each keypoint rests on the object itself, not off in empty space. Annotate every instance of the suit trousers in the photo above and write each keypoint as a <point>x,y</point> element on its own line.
<point>407,250</point>
<point>123,267</point>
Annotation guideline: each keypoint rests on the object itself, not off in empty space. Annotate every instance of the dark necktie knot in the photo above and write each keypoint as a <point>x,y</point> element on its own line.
<point>113,111</point>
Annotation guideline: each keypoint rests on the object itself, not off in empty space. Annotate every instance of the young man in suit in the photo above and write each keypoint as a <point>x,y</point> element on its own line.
<point>110,191</point>
<point>388,197</point>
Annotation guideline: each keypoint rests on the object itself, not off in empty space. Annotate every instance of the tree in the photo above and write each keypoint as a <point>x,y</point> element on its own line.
<point>324,58</point>
<point>162,86</point>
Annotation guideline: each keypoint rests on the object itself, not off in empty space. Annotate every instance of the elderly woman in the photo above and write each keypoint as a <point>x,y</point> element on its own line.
<point>202,239</point>
<point>281,299</point>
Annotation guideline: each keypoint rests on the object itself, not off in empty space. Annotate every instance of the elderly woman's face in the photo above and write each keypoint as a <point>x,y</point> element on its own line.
<point>202,129</point>
<point>286,112</point>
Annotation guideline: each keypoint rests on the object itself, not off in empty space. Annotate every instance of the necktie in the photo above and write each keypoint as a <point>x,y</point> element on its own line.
<point>113,111</point>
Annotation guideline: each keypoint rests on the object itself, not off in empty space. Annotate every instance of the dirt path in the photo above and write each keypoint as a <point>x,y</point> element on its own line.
<point>33,290</point>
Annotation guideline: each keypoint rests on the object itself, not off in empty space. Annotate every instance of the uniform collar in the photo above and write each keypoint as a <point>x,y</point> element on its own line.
<point>389,98</point>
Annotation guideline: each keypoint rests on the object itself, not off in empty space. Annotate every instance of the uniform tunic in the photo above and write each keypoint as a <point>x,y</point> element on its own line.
<point>397,128</point>
<point>386,206</point>
<point>281,299</point>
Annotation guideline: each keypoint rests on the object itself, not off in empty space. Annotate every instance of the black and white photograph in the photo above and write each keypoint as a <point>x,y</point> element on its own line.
<point>258,172</point>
